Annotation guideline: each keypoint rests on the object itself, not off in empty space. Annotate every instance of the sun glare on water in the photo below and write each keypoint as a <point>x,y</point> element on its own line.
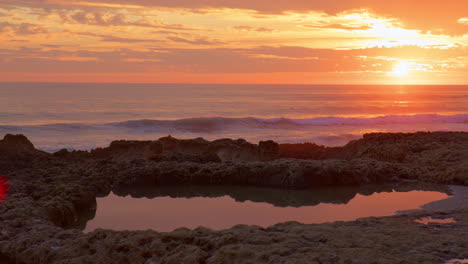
<point>402,69</point>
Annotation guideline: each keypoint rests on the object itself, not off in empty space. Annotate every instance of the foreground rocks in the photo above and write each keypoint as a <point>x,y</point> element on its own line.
<point>172,149</point>
<point>373,240</point>
<point>49,192</point>
<point>444,154</point>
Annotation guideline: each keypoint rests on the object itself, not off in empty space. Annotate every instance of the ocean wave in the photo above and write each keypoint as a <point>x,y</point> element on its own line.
<point>329,131</point>
<point>380,120</point>
<point>214,124</point>
<point>219,123</point>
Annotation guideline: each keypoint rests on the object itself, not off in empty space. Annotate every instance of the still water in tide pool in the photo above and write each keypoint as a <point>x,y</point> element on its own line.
<point>169,208</point>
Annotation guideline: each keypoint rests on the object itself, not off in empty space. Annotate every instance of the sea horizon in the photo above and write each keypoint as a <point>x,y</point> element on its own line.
<point>90,115</point>
<point>221,83</point>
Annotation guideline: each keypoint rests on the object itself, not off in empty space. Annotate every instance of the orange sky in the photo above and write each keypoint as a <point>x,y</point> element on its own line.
<point>235,41</point>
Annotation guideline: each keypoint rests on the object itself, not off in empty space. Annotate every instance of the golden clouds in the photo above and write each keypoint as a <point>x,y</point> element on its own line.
<point>121,36</point>
<point>21,28</point>
<point>233,28</point>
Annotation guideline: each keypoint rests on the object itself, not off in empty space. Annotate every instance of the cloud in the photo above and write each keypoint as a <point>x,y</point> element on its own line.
<point>198,41</point>
<point>463,20</point>
<point>255,29</point>
<point>215,37</point>
<point>340,27</point>
<point>414,14</point>
<point>119,19</point>
<point>222,65</point>
<point>52,46</point>
<point>22,28</point>
<point>127,40</point>
<point>112,38</point>
<point>266,59</point>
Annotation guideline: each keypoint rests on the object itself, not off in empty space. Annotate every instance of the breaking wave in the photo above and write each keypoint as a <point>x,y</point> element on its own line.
<point>222,123</point>
<point>329,131</point>
<point>214,124</point>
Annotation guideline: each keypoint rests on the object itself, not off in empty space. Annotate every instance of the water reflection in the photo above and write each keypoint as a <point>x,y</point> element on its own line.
<point>275,196</point>
<point>430,220</point>
<point>168,208</point>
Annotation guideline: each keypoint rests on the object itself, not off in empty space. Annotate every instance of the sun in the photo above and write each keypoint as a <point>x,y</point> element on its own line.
<point>402,69</point>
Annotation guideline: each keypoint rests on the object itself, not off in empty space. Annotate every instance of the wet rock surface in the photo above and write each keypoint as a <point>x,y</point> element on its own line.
<point>49,192</point>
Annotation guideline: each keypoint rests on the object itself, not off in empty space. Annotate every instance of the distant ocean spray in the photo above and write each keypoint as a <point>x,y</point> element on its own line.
<point>85,116</point>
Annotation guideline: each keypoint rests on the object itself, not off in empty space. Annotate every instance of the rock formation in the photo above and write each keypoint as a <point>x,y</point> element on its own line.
<point>172,149</point>
<point>50,192</point>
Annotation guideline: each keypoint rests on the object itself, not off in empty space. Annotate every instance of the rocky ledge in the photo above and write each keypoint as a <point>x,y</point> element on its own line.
<point>49,192</point>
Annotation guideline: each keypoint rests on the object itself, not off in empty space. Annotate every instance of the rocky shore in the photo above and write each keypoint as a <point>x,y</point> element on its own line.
<point>50,193</point>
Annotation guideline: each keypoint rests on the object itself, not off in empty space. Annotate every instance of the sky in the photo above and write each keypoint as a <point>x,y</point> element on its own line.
<point>235,41</point>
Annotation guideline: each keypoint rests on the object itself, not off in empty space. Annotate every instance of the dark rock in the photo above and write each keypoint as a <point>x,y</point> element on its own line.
<point>268,150</point>
<point>301,151</point>
<point>16,143</point>
<point>195,150</point>
<point>62,153</point>
<point>16,151</point>
<point>49,192</point>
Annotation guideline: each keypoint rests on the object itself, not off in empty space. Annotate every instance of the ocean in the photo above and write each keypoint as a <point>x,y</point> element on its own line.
<point>85,116</point>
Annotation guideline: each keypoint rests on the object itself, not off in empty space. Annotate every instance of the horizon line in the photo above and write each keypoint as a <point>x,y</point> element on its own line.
<point>331,84</point>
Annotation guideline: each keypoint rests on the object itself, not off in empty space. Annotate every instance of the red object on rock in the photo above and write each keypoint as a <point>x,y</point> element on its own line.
<point>4,186</point>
